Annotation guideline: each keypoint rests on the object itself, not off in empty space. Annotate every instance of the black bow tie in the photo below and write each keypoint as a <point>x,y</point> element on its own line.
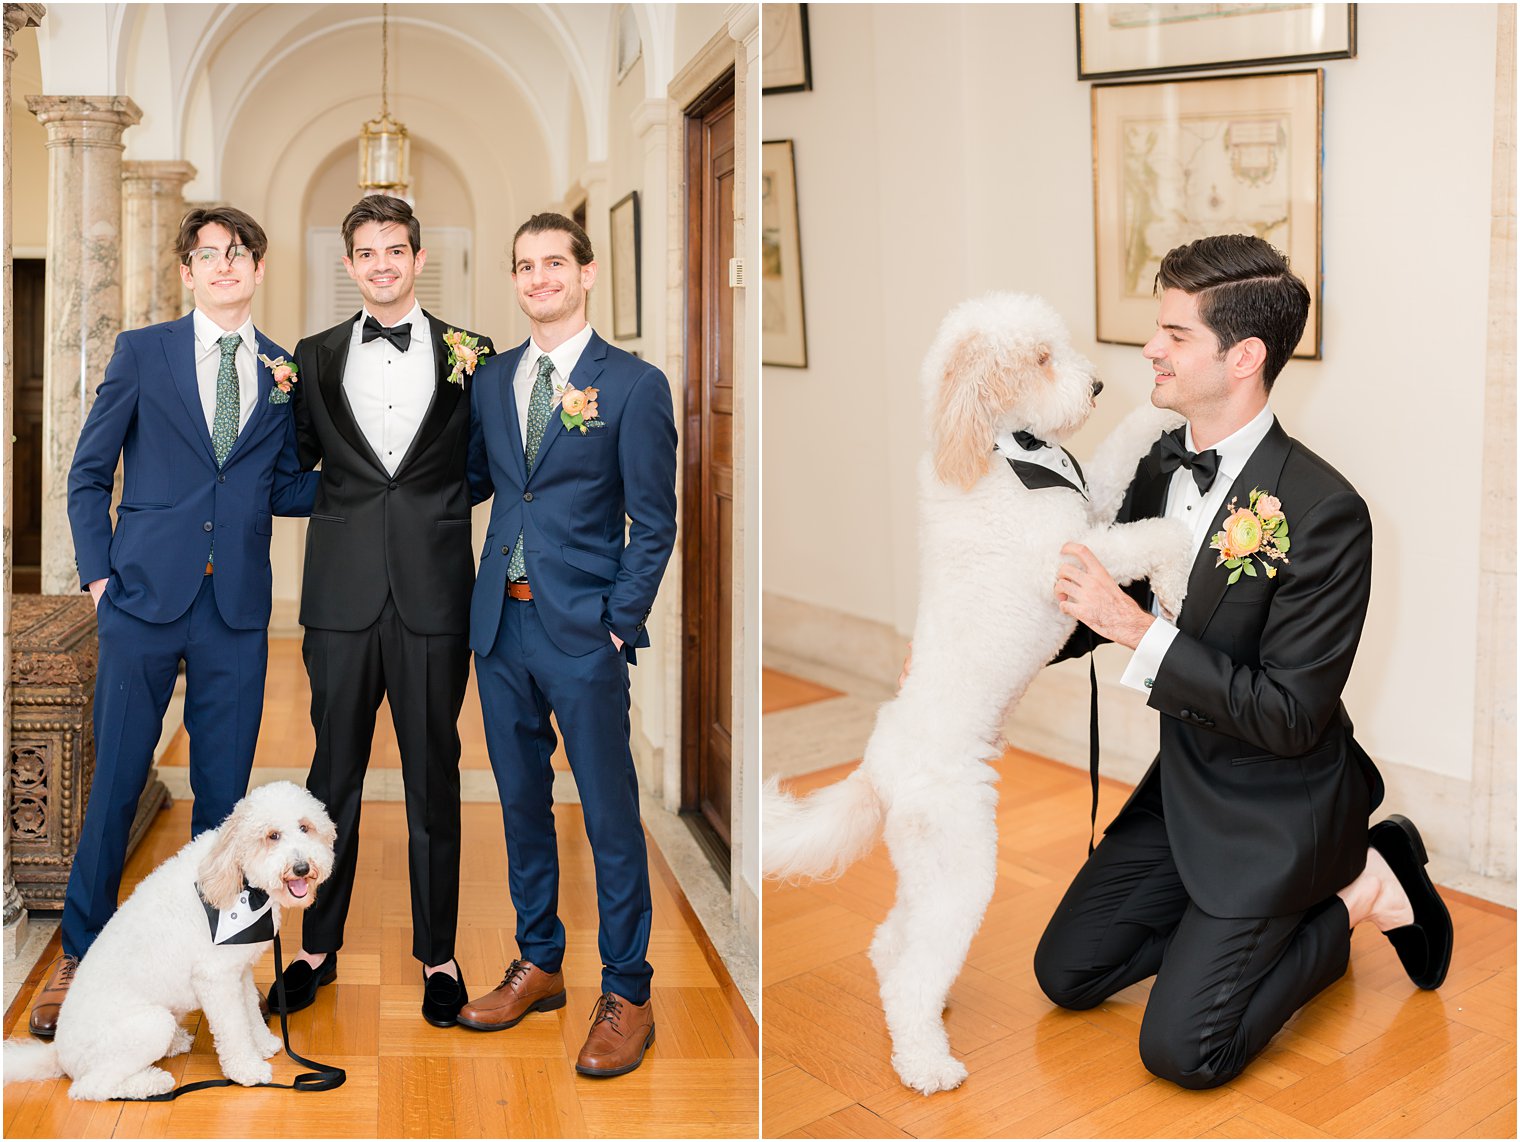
<point>1204,465</point>
<point>398,335</point>
<point>1028,441</point>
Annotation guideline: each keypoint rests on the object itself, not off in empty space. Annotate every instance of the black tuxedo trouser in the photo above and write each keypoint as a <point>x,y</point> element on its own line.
<point>1223,987</point>
<point>424,679</point>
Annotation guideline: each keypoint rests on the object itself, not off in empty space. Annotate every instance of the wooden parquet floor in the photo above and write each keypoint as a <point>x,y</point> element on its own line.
<point>409,1080</point>
<point>1371,1057</point>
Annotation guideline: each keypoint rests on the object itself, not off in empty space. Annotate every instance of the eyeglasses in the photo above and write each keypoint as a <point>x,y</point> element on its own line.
<point>210,255</point>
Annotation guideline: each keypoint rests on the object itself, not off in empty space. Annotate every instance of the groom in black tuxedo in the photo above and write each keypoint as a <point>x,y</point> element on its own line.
<point>1236,871</point>
<point>383,403</point>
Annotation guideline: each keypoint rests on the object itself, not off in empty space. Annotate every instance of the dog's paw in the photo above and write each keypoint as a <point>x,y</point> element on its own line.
<point>268,1045</point>
<point>145,1083</point>
<point>181,1043</point>
<point>247,1072</point>
<point>931,1074</point>
<point>1170,584</point>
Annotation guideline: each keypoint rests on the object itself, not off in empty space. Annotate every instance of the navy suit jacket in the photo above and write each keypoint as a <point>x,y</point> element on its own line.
<point>586,579</point>
<point>175,501</point>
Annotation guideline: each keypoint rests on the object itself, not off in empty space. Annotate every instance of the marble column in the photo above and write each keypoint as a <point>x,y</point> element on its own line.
<point>153,202</point>
<point>83,297</point>
<point>17,16</point>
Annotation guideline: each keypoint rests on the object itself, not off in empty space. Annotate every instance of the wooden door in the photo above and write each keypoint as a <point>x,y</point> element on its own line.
<point>28,346</point>
<point>708,472</point>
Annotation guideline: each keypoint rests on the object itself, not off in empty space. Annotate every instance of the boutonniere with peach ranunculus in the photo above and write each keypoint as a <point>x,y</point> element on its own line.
<point>285,376</point>
<point>577,408</point>
<point>465,353</point>
<point>1257,533</point>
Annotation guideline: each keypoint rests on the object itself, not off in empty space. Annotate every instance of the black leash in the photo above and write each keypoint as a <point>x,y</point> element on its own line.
<point>1092,756</point>
<point>320,1078</point>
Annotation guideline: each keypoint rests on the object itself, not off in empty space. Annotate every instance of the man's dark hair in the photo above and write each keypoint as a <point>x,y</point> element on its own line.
<point>244,230</point>
<point>1244,289</point>
<point>381,208</point>
<point>580,245</point>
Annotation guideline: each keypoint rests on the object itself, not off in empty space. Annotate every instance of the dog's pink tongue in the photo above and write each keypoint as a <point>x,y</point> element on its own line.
<point>297,887</point>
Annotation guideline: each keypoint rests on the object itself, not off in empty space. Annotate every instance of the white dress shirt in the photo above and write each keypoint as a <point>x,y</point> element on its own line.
<point>1202,514</point>
<point>565,358</point>
<point>208,363</point>
<point>388,391</point>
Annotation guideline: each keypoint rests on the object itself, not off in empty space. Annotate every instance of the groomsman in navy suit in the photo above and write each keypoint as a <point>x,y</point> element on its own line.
<point>580,438</point>
<point>198,412</point>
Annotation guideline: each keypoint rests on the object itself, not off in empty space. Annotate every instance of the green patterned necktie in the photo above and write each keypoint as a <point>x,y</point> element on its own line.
<point>224,424</point>
<point>538,419</point>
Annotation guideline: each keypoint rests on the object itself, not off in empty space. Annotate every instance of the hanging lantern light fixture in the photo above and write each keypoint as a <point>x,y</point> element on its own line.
<point>384,149</point>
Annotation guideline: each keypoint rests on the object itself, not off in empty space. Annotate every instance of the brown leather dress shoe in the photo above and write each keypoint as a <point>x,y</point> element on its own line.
<point>44,1018</point>
<point>523,990</point>
<point>620,1033</point>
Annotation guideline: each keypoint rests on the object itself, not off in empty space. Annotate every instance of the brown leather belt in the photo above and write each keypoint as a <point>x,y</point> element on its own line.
<point>519,591</point>
<point>208,567</point>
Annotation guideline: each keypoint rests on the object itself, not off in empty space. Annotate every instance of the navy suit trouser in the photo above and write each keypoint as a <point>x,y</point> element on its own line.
<point>224,702</point>
<point>523,678</point>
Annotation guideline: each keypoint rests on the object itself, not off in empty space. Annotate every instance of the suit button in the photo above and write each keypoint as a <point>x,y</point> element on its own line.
<point>206,526</point>
<point>221,479</point>
<point>506,550</point>
<point>527,497</point>
<point>394,487</point>
<point>1185,713</point>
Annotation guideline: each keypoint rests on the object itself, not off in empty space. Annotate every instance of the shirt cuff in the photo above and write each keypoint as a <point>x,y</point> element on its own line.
<point>1146,661</point>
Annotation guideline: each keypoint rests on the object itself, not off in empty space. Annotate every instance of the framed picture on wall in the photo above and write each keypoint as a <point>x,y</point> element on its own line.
<point>783,322</point>
<point>627,313</point>
<point>786,61</point>
<point>1183,159</point>
<point>1139,39</point>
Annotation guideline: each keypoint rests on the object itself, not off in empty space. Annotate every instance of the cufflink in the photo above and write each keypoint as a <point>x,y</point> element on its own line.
<point>1149,682</point>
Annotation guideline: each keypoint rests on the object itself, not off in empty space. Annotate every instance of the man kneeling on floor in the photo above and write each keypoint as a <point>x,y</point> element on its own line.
<point>1238,868</point>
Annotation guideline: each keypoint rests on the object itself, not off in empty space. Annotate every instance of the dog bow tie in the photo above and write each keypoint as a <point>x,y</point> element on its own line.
<point>1028,441</point>
<point>398,335</point>
<point>1204,465</point>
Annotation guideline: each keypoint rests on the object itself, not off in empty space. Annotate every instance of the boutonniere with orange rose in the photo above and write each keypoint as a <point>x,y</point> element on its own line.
<point>1257,533</point>
<point>285,376</point>
<point>465,353</point>
<point>577,408</point>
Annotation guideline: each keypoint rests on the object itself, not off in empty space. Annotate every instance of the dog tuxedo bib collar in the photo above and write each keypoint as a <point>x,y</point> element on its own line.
<point>1039,465</point>
<point>250,920</point>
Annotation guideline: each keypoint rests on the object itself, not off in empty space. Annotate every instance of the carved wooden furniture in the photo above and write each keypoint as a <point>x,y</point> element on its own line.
<point>53,660</point>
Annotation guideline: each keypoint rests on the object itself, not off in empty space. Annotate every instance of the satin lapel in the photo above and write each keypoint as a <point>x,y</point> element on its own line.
<point>446,396</point>
<point>508,398</point>
<point>1206,584</point>
<point>332,359</point>
<point>586,371</point>
<point>1150,487</point>
<point>179,349</point>
<point>258,418</point>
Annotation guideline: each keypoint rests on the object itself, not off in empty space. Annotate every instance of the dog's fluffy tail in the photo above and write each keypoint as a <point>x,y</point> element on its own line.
<point>821,835</point>
<point>28,1061</point>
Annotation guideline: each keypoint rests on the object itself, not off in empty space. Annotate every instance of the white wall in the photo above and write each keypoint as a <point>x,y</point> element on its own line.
<point>946,151</point>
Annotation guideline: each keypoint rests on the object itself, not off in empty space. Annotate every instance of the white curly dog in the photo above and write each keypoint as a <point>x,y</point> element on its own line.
<point>987,622</point>
<point>155,961</point>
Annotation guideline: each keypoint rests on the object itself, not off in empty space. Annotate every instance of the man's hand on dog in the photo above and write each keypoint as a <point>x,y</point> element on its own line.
<point>1088,593</point>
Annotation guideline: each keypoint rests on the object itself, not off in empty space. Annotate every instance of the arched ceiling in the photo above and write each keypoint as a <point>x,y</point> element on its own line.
<point>194,68</point>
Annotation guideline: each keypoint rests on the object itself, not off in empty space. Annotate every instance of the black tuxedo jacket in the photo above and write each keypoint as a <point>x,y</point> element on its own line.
<point>373,534</point>
<point>1266,793</point>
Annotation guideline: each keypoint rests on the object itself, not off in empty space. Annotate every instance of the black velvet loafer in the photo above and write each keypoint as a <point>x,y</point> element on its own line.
<point>301,983</point>
<point>1424,947</point>
<point>443,996</point>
